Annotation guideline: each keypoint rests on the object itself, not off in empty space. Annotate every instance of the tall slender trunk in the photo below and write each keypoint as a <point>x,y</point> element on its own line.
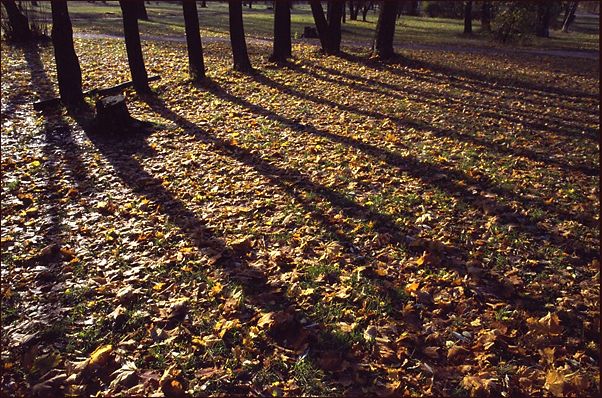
<point>282,31</point>
<point>385,29</point>
<point>321,24</point>
<point>133,46</point>
<point>196,64</point>
<point>570,15</point>
<point>486,16</point>
<point>336,8</point>
<point>544,12</point>
<point>352,11</point>
<point>17,21</point>
<point>365,10</point>
<point>237,37</point>
<point>68,71</point>
<point>468,17</point>
<point>141,10</point>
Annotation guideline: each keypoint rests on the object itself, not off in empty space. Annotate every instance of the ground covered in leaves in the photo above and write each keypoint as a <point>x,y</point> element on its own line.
<point>333,226</point>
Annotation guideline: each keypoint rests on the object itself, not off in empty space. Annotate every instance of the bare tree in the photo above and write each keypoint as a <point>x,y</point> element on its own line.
<point>468,17</point>
<point>68,71</point>
<point>237,37</point>
<point>570,15</point>
<point>282,31</point>
<point>196,64</point>
<point>133,47</point>
<point>19,26</point>
<point>385,29</point>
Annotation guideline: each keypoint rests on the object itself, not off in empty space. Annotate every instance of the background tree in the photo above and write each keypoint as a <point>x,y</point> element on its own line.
<point>468,17</point>
<point>329,27</point>
<point>486,16</point>
<point>237,37</point>
<point>354,9</point>
<point>321,24</point>
<point>544,13</point>
<point>366,6</point>
<point>336,9</point>
<point>385,29</point>
<point>141,8</point>
<point>18,26</point>
<point>282,31</point>
<point>68,71</point>
<point>196,64</point>
<point>132,44</point>
<point>569,16</point>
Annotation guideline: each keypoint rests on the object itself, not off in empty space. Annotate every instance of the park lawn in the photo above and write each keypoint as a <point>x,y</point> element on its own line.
<point>166,19</point>
<point>333,226</point>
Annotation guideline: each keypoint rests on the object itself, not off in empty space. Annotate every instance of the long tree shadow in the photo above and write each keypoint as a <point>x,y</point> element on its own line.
<point>374,87</point>
<point>233,262</point>
<point>295,184</point>
<point>475,78</point>
<point>422,126</point>
<point>483,183</point>
<point>485,83</point>
<point>495,94</point>
<point>61,161</point>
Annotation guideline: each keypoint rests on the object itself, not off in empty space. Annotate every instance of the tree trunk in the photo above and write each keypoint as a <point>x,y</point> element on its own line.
<point>133,46</point>
<point>68,71</point>
<point>237,37</point>
<point>570,16</point>
<point>468,17</point>
<point>414,8</point>
<point>196,64</point>
<point>282,31</point>
<point>352,11</point>
<point>336,9</point>
<point>365,10</point>
<point>141,10</point>
<point>486,16</point>
<point>544,11</point>
<point>17,21</point>
<point>321,24</point>
<point>385,29</point>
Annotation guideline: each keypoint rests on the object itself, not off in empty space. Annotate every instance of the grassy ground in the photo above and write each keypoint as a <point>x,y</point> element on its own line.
<point>166,19</point>
<point>336,226</point>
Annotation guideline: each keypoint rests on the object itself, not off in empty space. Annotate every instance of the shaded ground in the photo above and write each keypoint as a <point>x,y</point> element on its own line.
<point>334,226</point>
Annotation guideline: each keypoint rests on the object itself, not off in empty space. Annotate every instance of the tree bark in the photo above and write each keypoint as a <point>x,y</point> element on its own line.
<point>282,31</point>
<point>570,17</point>
<point>486,16</point>
<point>141,11</point>
<point>414,8</point>
<point>468,17</point>
<point>321,24</point>
<point>68,71</point>
<point>237,37</point>
<point>365,10</point>
<point>133,46</point>
<point>385,29</point>
<point>544,11</point>
<point>336,9</point>
<point>196,64</point>
<point>352,11</point>
<point>17,21</point>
